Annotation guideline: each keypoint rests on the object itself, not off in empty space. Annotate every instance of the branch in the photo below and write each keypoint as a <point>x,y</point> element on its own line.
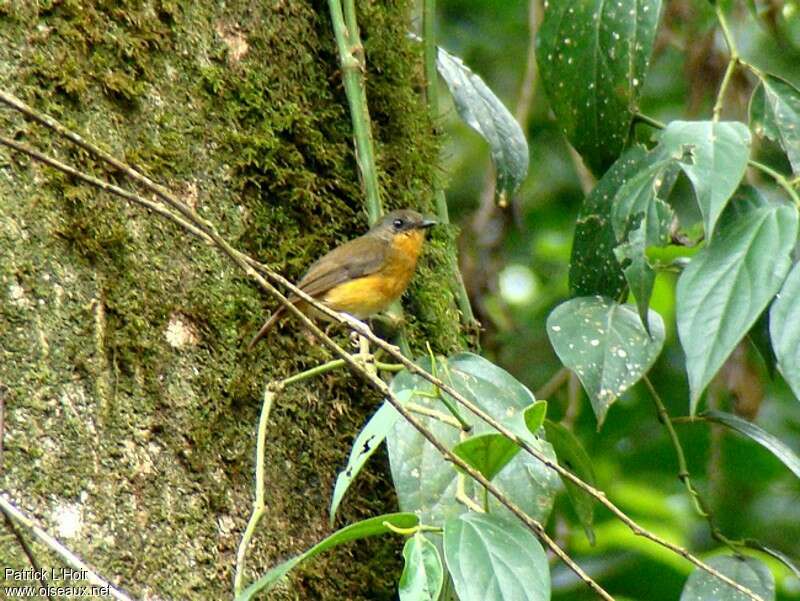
<point>432,96</point>
<point>9,509</point>
<point>701,507</point>
<point>259,502</point>
<point>351,57</point>
<point>255,270</point>
<point>26,549</point>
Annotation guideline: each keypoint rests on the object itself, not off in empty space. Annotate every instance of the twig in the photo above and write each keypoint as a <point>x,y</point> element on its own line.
<point>701,507</point>
<point>779,179</point>
<point>438,415</point>
<point>259,500</point>
<point>432,97</point>
<point>733,61</point>
<point>9,509</point>
<point>432,87</point>
<point>530,79</point>
<point>723,88</point>
<point>353,63</point>
<point>254,270</point>
<point>26,550</point>
<point>3,391</point>
<point>573,401</point>
<point>351,58</point>
<point>556,381</point>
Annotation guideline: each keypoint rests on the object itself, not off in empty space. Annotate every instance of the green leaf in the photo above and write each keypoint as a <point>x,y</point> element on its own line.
<point>492,559</point>
<point>606,345</point>
<point>714,157</point>
<point>483,112</point>
<point>775,114</point>
<point>593,266</point>
<point>784,329</point>
<point>638,273</point>
<point>573,456</point>
<point>359,530</point>
<point>365,444</point>
<point>728,284</point>
<point>426,483</point>
<point>760,337</point>
<point>526,425</point>
<point>423,575</point>
<point>765,439</point>
<point>534,416</point>
<point>747,571</point>
<point>593,57</point>
<point>640,220</point>
<point>779,555</point>
<point>488,453</point>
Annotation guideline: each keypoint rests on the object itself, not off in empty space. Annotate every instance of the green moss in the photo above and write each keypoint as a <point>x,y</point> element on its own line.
<point>156,442</point>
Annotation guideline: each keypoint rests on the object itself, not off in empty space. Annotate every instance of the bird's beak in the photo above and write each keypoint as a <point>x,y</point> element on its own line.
<point>426,223</point>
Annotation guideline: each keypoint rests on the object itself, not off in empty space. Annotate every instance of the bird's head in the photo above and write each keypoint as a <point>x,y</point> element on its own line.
<point>403,223</point>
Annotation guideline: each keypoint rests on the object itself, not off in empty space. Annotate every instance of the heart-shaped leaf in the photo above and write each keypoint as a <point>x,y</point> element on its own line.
<point>488,453</point>
<point>593,56</point>
<point>492,559</point>
<point>593,266</point>
<point>728,284</point>
<point>775,114</point>
<point>606,345</point>
<point>714,157</point>
<point>747,571</point>
<point>423,574</point>
<point>426,483</point>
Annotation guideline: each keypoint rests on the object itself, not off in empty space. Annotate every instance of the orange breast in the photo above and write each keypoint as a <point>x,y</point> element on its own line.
<point>372,294</point>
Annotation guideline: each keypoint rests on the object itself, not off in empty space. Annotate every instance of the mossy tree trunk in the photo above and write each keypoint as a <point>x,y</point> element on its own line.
<point>130,406</point>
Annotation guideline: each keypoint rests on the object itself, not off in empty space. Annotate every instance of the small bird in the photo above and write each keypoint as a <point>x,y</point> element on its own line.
<point>364,276</point>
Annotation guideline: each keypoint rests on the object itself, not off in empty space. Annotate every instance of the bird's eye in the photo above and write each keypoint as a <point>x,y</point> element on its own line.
<point>398,224</point>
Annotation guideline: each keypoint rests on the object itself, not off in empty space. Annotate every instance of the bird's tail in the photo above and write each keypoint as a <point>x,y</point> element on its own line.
<point>265,328</point>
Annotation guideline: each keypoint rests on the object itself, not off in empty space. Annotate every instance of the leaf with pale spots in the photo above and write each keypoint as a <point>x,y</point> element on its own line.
<point>640,220</point>
<point>593,266</point>
<point>775,114</point>
<point>425,482</point>
<point>594,56</point>
<point>729,283</point>
<point>747,571</point>
<point>486,114</point>
<point>606,345</point>
<point>714,156</point>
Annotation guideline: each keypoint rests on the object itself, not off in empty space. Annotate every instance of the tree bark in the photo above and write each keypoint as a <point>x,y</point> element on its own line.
<point>131,407</point>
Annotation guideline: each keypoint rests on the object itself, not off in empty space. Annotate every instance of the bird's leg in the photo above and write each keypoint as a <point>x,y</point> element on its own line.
<point>354,322</point>
<point>360,342</point>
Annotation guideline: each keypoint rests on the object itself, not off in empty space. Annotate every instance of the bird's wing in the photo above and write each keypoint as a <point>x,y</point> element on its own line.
<point>357,258</point>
